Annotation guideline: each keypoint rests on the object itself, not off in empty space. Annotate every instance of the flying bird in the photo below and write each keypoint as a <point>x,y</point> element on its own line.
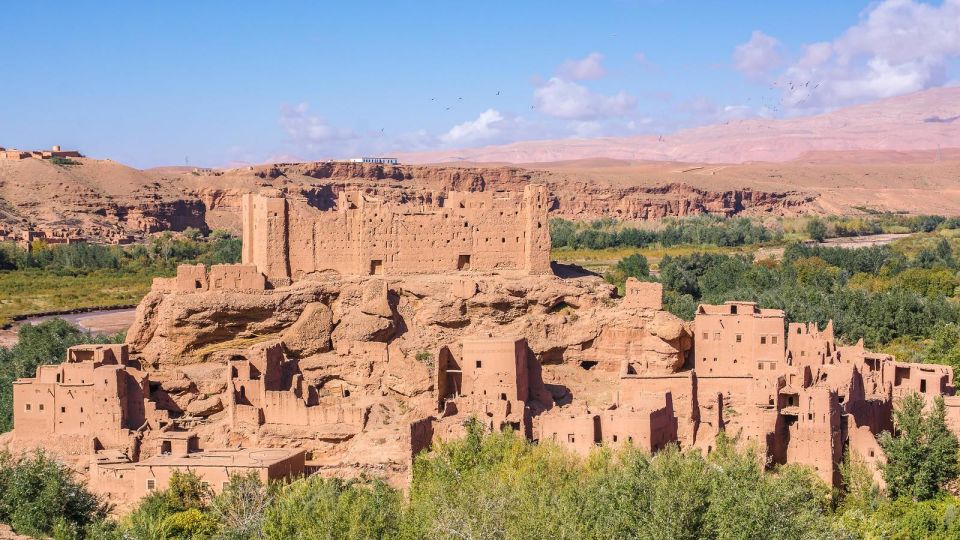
<point>498,92</point>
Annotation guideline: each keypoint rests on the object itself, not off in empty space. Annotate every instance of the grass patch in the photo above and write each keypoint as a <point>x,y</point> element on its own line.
<point>26,292</point>
<point>912,245</point>
<point>602,259</point>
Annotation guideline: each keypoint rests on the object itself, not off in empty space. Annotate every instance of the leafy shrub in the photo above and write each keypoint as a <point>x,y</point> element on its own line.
<point>40,496</point>
<point>316,507</point>
<point>922,454</point>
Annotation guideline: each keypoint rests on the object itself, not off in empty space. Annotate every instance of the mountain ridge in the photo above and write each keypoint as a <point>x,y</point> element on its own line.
<point>919,121</point>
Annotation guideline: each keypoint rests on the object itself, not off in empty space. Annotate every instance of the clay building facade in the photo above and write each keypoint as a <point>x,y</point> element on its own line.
<point>56,151</point>
<point>94,399</point>
<point>263,388</point>
<point>286,238</point>
<point>738,338</point>
<point>788,390</point>
<point>494,379</point>
<point>97,403</point>
<point>215,467</point>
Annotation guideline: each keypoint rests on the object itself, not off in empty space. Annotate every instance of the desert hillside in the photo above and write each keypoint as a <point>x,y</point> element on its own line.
<point>105,200</point>
<point>900,154</point>
<point>920,121</point>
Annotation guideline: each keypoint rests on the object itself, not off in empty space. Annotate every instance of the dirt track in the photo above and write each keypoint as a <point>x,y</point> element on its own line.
<point>108,321</point>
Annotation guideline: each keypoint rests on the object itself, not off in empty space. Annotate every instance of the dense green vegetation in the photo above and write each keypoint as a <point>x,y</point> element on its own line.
<point>875,293</point>
<point>502,486</point>
<point>63,161</point>
<point>923,455</point>
<point>40,344</point>
<point>726,232</point>
<point>162,252</point>
<point>52,278</point>
<point>40,497</point>
<point>702,230</point>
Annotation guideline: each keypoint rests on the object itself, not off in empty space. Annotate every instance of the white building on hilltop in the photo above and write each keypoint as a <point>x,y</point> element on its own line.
<point>380,160</point>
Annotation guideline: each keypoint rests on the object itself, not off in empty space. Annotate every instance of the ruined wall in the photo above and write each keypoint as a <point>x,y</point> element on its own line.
<point>642,294</point>
<point>287,238</point>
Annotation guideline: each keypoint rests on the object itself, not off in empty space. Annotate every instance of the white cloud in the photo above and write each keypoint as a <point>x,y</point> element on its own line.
<point>590,67</point>
<point>642,59</point>
<point>310,131</point>
<point>485,127</point>
<point>897,47</point>
<point>569,100</point>
<point>757,57</point>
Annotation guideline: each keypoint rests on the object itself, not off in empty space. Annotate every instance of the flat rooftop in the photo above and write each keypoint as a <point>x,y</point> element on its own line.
<point>234,457</point>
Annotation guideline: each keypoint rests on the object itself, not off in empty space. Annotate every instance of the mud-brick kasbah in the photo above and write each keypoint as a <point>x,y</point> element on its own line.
<point>352,337</point>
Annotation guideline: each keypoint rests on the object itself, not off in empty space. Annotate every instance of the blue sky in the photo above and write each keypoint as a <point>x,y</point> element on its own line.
<point>154,83</point>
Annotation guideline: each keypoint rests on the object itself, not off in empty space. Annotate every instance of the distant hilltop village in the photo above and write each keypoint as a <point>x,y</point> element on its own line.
<point>378,160</point>
<point>14,154</point>
<point>350,339</point>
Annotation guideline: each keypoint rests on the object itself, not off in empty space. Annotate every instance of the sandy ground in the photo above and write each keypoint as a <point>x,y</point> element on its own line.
<point>108,321</point>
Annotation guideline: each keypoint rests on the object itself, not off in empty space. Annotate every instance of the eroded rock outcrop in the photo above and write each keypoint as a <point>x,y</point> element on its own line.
<point>368,351</point>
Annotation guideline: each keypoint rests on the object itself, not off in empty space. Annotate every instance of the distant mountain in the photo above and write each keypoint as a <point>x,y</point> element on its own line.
<point>919,121</point>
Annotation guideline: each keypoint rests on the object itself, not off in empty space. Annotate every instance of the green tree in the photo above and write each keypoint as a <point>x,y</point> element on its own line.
<point>922,454</point>
<point>635,266</point>
<point>176,512</point>
<point>39,495</point>
<point>817,230</point>
<point>315,507</point>
<point>241,506</point>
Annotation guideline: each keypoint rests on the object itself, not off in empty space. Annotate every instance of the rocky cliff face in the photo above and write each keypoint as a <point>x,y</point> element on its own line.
<point>93,199</point>
<point>371,344</point>
<point>103,200</point>
<point>571,197</point>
